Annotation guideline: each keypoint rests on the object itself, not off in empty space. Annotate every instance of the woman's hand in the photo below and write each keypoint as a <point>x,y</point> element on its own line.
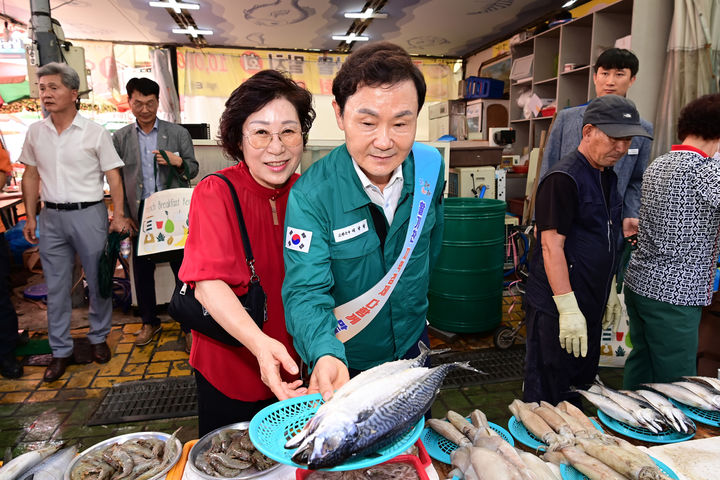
<point>329,374</point>
<point>272,356</point>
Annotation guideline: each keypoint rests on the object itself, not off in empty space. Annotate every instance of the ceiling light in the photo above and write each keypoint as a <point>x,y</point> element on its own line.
<point>192,31</point>
<point>351,38</point>
<point>369,13</point>
<point>569,3</point>
<point>175,5</point>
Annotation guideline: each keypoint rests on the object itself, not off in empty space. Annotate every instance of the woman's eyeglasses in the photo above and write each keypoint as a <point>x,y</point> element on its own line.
<point>262,138</point>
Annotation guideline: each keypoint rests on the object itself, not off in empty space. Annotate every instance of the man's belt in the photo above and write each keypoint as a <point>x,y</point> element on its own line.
<point>70,206</point>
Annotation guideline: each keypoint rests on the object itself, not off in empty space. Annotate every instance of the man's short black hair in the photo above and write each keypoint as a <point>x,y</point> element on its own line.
<point>374,65</point>
<point>143,86</point>
<point>618,58</point>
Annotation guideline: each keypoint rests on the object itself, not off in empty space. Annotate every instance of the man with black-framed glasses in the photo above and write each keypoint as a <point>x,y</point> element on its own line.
<point>146,172</point>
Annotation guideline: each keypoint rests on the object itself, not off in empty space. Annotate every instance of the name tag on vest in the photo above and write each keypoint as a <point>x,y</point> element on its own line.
<point>633,151</point>
<point>350,231</point>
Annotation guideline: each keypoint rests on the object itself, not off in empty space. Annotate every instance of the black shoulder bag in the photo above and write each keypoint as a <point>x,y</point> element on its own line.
<point>185,308</point>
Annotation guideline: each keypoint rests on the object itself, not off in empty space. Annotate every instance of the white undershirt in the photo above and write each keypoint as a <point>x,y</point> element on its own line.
<point>388,198</point>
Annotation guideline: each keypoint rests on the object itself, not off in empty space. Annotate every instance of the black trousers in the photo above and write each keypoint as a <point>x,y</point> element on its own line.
<point>216,410</point>
<point>551,372</point>
<point>144,275</point>
<point>8,317</point>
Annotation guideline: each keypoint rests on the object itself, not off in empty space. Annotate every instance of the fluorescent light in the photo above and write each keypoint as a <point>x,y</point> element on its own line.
<point>569,3</point>
<point>351,38</point>
<point>175,5</point>
<point>369,13</point>
<point>192,31</point>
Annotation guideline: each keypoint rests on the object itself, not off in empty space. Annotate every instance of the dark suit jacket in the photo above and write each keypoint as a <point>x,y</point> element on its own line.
<point>171,137</point>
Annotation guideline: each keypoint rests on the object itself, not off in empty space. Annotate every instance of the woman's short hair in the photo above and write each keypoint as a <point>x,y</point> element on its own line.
<point>68,76</point>
<point>700,118</point>
<point>252,95</point>
<point>376,64</point>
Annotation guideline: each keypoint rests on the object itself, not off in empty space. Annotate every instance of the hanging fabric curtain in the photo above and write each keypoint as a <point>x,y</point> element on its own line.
<point>691,66</point>
<point>169,102</point>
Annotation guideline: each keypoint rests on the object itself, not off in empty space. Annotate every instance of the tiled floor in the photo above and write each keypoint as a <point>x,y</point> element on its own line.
<point>33,412</point>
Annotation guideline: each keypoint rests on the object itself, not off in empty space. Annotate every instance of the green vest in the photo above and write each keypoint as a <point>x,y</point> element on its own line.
<point>330,271</point>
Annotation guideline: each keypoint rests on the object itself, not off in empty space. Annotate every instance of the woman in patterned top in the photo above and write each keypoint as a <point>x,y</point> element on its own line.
<point>669,277</point>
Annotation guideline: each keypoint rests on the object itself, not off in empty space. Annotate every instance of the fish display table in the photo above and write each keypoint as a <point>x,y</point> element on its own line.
<point>696,459</point>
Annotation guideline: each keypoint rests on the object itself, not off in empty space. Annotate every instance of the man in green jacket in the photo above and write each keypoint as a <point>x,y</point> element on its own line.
<point>347,224</point>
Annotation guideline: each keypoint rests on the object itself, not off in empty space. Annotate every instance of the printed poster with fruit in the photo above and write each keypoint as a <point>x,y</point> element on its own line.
<point>616,346</point>
<point>164,224</point>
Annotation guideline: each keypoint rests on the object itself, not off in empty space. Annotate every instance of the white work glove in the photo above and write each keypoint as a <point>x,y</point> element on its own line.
<point>573,327</point>
<point>613,311</point>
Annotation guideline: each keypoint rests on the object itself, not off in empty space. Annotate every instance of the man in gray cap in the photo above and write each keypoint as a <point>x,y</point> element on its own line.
<point>579,225</point>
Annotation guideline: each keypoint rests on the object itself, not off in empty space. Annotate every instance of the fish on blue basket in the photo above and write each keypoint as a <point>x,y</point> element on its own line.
<point>370,411</point>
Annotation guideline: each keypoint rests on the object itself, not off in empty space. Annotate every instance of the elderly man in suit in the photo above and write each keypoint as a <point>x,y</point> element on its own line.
<point>141,146</point>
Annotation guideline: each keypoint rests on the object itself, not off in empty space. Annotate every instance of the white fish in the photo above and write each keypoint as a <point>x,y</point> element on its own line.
<point>709,381</point>
<point>708,394</point>
<point>674,415</point>
<point>53,467</point>
<point>646,416</point>
<point>681,394</point>
<point>610,408</point>
<point>19,465</point>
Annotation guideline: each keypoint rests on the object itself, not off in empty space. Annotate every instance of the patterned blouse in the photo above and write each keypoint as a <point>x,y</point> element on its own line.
<point>679,233</point>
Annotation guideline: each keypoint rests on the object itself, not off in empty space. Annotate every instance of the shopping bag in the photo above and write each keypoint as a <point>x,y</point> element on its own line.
<point>616,346</point>
<point>163,227</point>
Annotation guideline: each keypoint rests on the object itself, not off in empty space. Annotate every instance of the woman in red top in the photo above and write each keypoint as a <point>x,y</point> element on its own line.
<point>264,126</point>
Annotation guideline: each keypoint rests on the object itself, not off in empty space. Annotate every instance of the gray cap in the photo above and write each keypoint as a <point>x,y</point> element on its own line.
<point>616,116</point>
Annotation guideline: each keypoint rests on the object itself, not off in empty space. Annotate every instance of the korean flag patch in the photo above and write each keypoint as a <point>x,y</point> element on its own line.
<point>296,239</point>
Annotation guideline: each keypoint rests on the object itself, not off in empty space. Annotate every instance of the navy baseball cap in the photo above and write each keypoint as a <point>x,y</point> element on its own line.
<point>616,116</point>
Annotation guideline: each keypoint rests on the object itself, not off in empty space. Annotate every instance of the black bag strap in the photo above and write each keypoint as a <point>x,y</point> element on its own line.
<point>243,231</point>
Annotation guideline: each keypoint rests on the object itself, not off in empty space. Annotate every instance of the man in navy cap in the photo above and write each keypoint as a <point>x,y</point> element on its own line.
<point>579,223</point>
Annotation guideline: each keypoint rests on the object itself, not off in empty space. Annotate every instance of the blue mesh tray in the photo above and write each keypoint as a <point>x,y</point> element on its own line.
<point>524,436</point>
<point>708,417</point>
<point>568,472</point>
<point>639,433</point>
<point>440,448</point>
<point>275,424</point>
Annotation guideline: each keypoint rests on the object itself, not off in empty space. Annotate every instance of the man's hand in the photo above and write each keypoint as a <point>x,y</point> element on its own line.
<point>29,230</point>
<point>630,226</point>
<point>613,310</point>
<point>175,160</point>
<point>573,327</point>
<point>272,355</point>
<point>123,224</point>
<point>329,374</point>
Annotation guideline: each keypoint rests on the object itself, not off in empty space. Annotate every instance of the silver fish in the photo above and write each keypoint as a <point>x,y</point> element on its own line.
<point>673,415</point>
<point>708,394</point>
<point>19,465</point>
<point>53,467</point>
<point>643,412</point>
<point>681,394</point>
<point>709,381</point>
<point>358,382</point>
<point>370,418</point>
<point>611,408</point>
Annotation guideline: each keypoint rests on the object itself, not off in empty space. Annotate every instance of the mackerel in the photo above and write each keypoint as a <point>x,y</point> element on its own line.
<point>360,382</point>
<point>369,418</point>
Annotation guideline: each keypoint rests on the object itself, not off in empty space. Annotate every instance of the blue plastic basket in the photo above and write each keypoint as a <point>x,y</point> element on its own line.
<point>440,448</point>
<point>569,472</point>
<point>275,424</point>
<point>639,433</point>
<point>524,436</point>
<point>708,417</point>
